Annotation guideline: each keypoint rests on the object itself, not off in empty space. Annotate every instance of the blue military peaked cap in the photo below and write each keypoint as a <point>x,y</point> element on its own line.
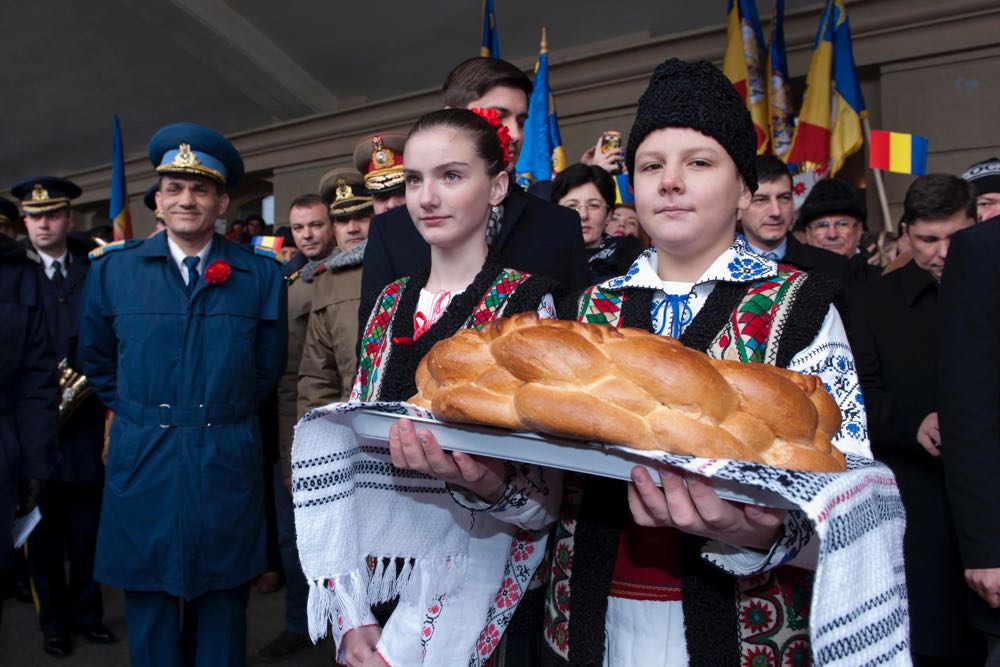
<point>8,211</point>
<point>186,148</point>
<point>149,199</point>
<point>45,193</point>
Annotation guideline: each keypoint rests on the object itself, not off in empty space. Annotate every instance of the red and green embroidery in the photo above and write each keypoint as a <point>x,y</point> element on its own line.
<point>752,321</point>
<point>600,307</point>
<point>495,298</point>
<point>373,342</point>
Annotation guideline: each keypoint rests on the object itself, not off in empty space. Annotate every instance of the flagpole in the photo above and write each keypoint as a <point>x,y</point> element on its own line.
<point>879,184</point>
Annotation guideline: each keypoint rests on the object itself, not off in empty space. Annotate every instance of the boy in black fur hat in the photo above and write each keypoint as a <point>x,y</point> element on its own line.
<point>651,576</point>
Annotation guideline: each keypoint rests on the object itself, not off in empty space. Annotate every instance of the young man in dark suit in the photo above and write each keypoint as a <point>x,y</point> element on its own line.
<point>530,234</point>
<point>969,406</point>
<point>896,332</point>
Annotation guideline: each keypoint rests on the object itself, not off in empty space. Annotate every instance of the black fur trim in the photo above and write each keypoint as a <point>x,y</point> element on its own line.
<point>711,615</point>
<point>714,315</point>
<point>804,320</point>
<point>595,545</point>
<point>637,309</point>
<point>528,295</point>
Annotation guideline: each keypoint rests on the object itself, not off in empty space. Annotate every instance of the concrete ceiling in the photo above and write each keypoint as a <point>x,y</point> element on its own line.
<point>243,64</point>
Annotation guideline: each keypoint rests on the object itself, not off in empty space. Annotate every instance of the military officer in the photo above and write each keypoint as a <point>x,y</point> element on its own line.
<point>312,231</point>
<point>29,407</point>
<point>72,502</point>
<point>183,335</point>
<point>380,158</point>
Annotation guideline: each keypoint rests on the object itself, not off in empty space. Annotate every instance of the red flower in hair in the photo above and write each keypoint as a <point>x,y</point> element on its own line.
<point>492,117</point>
<point>217,272</point>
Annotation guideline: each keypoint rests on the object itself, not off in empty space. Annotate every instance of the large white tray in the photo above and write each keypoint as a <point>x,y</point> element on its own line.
<point>574,455</point>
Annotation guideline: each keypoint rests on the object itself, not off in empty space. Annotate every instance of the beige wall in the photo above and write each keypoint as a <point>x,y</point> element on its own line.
<point>926,67</point>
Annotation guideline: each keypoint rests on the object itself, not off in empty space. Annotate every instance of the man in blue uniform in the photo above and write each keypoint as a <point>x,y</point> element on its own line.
<point>72,503</point>
<point>183,335</point>
<point>29,407</point>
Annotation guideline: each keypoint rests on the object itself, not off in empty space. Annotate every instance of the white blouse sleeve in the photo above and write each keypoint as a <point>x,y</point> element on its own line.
<point>830,358</point>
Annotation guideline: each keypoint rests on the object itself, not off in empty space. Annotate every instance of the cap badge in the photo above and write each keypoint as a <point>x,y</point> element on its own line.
<point>344,191</point>
<point>381,156</point>
<point>38,193</point>
<point>184,157</point>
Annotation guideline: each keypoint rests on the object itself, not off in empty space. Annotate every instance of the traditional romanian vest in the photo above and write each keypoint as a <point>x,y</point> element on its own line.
<point>389,357</point>
<point>599,552</point>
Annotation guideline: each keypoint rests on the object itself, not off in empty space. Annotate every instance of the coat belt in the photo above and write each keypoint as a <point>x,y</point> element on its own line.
<point>165,415</point>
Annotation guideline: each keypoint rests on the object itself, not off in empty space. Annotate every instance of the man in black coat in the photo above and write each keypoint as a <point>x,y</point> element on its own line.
<point>896,338</point>
<point>29,392</point>
<point>71,506</point>
<point>767,224</point>
<point>530,234</point>
<point>833,217</point>
<point>969,405</point>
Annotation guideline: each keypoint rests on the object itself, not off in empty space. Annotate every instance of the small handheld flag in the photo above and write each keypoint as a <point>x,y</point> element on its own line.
<point>267,245</point>
<point>121,220</point>
<point>490,47</point>
<point>898,152</point>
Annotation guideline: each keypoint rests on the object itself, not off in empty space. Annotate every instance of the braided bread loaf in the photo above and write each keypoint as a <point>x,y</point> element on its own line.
<point>629,387</point>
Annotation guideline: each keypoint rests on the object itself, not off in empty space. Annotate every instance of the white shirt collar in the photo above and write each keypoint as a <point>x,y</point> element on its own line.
<point>179,256</point>
<point>779,252</point>
<point>737,264</point>
<point>48,262</point>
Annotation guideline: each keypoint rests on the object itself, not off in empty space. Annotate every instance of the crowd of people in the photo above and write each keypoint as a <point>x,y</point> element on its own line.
<point>184,362</point>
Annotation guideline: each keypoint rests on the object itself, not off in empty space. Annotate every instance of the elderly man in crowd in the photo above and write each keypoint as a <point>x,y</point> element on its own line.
<point>985,177</point>
<point>833,217</point>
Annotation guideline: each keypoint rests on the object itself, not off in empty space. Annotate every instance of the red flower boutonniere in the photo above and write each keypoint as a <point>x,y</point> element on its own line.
<point>492,117</point>
<point>217,272</point>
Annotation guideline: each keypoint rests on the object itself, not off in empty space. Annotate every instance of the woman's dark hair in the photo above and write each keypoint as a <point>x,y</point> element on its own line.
<point>579,174</point>
<point>484,136</point>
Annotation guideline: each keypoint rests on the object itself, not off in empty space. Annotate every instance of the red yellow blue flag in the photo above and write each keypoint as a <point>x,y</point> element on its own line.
<point>121,220</point>
<point>829,128</point>
<point>490,47</point>
<point>744,64</point>
<point>898,152</point>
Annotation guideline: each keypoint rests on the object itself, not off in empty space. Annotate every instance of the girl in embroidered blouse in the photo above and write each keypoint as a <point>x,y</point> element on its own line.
<point>455,173</point>
<point>690,157</point>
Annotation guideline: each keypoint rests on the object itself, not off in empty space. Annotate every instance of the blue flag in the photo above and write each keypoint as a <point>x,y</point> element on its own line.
<point>542,152</point>
<point>121,219</point>
<point>491,43</point>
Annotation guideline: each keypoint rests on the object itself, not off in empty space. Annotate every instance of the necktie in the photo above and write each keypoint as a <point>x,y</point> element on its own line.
<point>771,255</point>
<point>57,274</point>
<point>191,263</point>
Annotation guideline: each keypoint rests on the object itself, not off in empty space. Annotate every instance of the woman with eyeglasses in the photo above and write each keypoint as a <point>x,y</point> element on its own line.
<point>590,191</point>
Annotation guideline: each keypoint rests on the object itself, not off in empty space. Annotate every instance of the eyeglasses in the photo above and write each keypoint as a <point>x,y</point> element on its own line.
<point>839,225</point>
<point>593,206</point>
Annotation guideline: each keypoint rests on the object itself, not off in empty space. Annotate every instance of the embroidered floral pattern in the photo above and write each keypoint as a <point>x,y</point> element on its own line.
<point>430,619</point>
<point>774,617</point>
<point>488,640</point>
<point>374,340</point>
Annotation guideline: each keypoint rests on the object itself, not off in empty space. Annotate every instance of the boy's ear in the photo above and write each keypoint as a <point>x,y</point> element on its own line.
<point>745,196</point>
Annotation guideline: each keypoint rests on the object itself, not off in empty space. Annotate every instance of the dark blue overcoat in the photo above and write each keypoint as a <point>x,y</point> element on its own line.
<point>29,393</point>
<point>183,500</point>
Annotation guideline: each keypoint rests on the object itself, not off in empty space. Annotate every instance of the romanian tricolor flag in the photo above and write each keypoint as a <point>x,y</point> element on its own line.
<point>779,99</point>
<point>829,126</point>
<point>267,245</point>
<point>744,63</point>
<point>898,152</point>
<point>491,43</point>
<point>542,152</point>
<point>121,221</point>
